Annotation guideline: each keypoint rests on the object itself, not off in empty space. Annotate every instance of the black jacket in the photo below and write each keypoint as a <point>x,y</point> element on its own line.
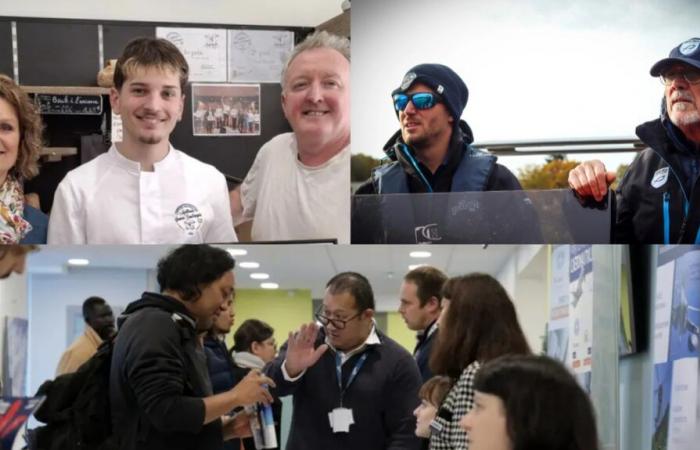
<point>159,378</point>
<point>654,193</point>
<point>382,398</point>
<point>497,178</point>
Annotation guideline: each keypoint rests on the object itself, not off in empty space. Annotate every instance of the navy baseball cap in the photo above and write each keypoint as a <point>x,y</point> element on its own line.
<point>687,52</point>
<point>443,81</point>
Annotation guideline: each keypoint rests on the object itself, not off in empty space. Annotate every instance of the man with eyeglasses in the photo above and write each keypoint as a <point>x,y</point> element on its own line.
<point>431,152</point>
<point>353,386</point>
<point>658,200</point>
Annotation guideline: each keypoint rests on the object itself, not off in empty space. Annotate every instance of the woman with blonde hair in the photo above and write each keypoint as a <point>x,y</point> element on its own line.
<point>20,144</point>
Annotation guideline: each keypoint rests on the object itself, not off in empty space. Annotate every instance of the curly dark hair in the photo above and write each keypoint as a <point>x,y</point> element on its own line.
<point>189,268</point>
<point>30,128</point>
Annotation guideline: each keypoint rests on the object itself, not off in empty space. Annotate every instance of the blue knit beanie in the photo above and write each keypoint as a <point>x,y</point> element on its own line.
<point>443,81</point>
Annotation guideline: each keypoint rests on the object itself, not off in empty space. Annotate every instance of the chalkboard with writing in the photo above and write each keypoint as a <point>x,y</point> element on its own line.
<point>90,105</point>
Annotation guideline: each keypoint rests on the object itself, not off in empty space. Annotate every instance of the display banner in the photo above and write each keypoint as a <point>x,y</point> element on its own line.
<point>676,395</point>
<point>570,327</point>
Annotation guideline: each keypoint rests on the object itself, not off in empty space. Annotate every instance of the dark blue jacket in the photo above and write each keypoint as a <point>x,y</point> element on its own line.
<point>40,226</point>
<point>658,199</point>
<point>424,347</point>
<point>219,364</point>
<point>472,169</point>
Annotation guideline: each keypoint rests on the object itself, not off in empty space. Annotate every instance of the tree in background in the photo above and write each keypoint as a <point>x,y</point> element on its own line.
<point>553,174</point>
<point>361,167</point>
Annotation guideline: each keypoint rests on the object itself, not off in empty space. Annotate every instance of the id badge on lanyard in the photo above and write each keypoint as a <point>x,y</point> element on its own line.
<point>341,418</point>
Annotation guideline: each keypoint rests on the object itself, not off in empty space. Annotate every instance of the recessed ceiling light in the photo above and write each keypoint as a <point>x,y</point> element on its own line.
<point>415,266</point>
<point>259,276</point>
<point>249,265</point>
<point>237,251</point>
<point>78,262</point>
<point>420,254</point>
<point>269,285</point>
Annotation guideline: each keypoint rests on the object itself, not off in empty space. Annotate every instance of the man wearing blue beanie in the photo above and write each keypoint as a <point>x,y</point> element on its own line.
<point>432,152</point>
<point>658,199</point>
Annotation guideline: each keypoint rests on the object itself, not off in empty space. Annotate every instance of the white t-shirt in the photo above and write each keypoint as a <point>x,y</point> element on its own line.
<point>110,200</point>
<point>287,200</point>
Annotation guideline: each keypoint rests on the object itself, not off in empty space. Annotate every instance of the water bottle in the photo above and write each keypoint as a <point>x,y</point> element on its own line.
<point>255,428</point>
<point>268,426</point>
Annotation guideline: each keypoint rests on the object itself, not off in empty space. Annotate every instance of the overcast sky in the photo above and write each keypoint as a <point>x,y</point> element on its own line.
<point>536,70</point>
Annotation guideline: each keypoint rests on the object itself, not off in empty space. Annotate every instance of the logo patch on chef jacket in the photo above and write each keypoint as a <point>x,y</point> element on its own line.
<point>660,177</point>
<point>188,218</point>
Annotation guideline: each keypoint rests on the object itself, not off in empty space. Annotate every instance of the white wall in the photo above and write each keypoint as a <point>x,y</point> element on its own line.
<point>50,295</point>
<point>13,303</point>
<point>524,277</point>
<point>309,13</point>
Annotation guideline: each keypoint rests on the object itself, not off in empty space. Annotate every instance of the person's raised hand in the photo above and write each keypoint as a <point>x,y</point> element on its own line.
<point>301,353</point>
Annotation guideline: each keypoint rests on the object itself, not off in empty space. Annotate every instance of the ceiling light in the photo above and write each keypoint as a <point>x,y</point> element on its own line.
<point>78,262</point>
<point>415,266</point>
<point>249,265</point>
<point>420,254</point>
<point>237,251</point>
<point>269,285</point>
<point>259,276</point>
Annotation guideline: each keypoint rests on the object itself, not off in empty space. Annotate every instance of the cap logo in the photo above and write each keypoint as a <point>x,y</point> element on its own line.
<point>440,89</point>
<point>408,80</point>
<point>689,47</point>
<point>660,177</point>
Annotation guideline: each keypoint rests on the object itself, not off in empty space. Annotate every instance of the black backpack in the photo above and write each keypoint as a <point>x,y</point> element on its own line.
<point>77,408</point>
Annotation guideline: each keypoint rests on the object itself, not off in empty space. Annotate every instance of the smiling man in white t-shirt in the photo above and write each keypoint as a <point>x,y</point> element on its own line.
<point>299,184</point>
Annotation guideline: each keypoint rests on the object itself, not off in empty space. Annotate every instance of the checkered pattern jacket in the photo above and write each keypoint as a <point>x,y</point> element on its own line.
<point>459,401</point>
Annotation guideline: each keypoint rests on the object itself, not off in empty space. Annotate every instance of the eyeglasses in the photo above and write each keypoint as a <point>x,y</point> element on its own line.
<point>690,75</point>
<point>337,323</point>
<point>421,100</point>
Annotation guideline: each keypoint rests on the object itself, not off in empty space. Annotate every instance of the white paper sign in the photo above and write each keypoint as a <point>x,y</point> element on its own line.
<point>663,301</point>
<point>203,48</point>
<point>684,398</point>
<point>258,55</point>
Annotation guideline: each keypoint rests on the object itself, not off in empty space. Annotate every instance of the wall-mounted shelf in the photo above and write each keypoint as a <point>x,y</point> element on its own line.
<point>66,90</point>
<point>54,154</point>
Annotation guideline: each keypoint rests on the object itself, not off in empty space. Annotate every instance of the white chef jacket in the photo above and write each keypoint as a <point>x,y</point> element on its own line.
<point>109,200</point>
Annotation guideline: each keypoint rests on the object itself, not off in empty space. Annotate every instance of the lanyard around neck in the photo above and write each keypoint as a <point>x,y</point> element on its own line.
<point>339,372</point>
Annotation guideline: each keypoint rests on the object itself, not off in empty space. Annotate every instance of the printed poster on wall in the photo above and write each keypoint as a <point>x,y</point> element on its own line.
<point>676,394</point>
<point>15,363</point>
<point>581,313</point>
<point>258,55</point>
<point>558,325</point>
<point>203,48</point>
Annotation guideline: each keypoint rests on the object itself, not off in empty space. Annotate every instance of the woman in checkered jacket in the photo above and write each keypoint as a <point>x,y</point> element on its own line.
<point>478,323</point>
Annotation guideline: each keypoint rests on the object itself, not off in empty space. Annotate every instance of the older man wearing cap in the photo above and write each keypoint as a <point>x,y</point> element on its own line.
<point>431,151</point>
<point>658,200</point>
